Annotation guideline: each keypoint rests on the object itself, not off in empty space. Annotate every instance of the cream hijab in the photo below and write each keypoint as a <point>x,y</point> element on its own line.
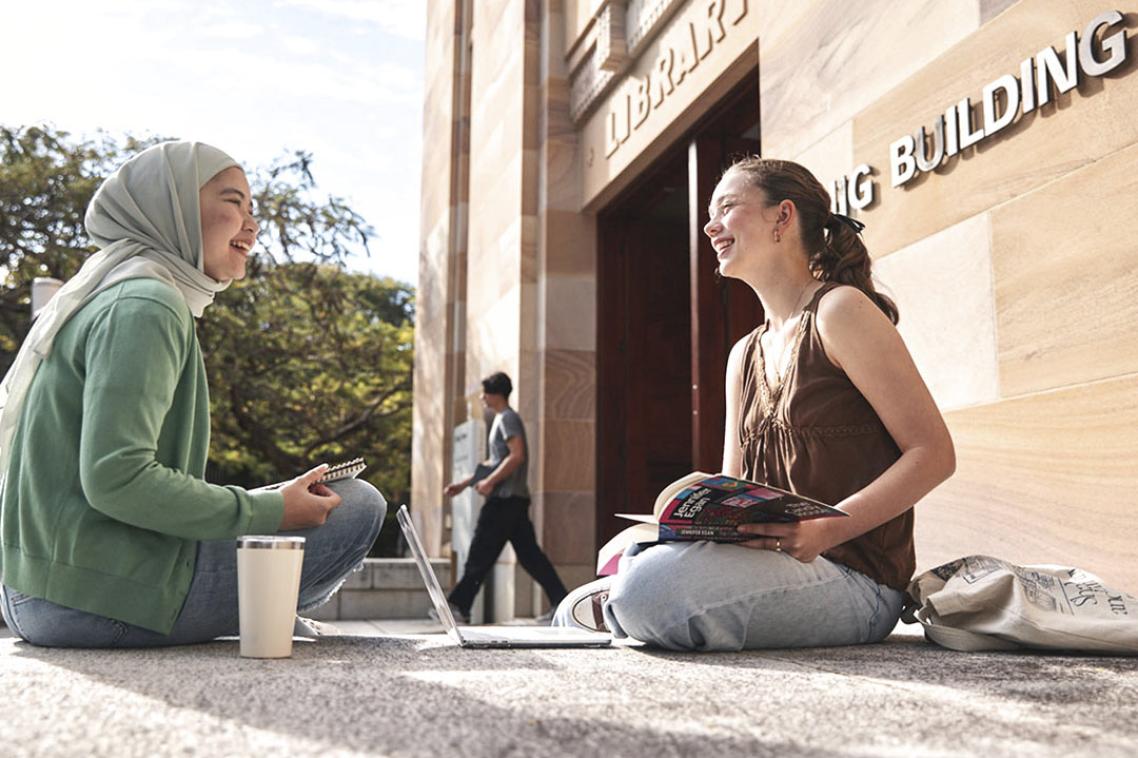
<point>147,220</point>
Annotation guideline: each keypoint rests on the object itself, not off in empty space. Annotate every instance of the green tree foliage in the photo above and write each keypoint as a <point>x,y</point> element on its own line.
<point>307,362</point>
<point>46,182</point>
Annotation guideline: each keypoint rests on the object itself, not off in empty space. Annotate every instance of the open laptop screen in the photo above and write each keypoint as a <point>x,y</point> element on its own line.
<point>434,589</point>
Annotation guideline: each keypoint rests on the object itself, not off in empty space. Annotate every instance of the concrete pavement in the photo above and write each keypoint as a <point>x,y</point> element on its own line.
<point>390,688</point>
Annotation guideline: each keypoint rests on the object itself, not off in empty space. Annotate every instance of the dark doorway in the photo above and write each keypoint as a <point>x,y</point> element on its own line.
<point>665,322</point>
<point>644,344</point>
<point>723,310</point>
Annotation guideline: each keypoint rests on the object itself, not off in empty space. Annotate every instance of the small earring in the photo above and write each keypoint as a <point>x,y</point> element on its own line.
<point>777,236</point>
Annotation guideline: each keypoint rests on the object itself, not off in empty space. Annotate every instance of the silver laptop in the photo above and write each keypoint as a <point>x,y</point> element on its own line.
<point>491,636</point>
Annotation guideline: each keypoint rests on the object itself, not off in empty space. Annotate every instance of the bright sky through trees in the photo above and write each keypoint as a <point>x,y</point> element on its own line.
<point>341,79</point>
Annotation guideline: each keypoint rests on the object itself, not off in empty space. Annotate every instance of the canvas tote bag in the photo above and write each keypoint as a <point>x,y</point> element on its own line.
<point>983,603</point>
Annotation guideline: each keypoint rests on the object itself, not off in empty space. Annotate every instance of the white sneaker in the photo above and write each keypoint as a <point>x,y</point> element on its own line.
<point>585,605</point>
<point>588,611</point>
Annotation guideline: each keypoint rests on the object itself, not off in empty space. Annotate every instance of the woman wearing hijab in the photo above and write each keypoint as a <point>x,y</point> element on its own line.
<point>111,537</point>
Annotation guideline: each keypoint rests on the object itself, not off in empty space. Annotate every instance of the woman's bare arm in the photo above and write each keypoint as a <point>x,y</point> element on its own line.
<point>732,454</point>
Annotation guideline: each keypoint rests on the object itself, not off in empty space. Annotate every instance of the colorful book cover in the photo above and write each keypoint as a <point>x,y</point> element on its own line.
<point>711,507</point>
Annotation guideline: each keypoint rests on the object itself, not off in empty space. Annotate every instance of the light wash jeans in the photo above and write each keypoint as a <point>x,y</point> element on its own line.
<point>331,552</point>
<point>714,596</point>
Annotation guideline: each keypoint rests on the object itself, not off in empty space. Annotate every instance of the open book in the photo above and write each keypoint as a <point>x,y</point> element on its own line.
<point>703,506</point>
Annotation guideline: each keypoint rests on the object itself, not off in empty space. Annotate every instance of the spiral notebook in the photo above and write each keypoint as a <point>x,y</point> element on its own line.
<point>337,472</point>
<point>344,470</point>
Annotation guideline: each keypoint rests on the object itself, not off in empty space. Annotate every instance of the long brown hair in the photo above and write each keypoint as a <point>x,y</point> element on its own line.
<point>837,253</point>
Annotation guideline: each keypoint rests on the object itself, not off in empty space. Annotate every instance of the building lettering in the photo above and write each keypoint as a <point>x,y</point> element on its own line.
<point>1041,77</point>
<point>686,44</point>
<point>856,191</point>
<point>961,126</point>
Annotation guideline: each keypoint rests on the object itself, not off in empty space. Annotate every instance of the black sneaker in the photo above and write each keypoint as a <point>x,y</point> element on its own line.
<point>459,616</point>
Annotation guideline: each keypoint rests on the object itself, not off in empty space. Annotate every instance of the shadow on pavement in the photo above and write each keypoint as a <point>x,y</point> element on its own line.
<point>395,696</point>
<point>424,697</point>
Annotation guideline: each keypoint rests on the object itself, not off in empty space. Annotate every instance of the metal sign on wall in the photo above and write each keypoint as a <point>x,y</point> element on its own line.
<point>964,124</point>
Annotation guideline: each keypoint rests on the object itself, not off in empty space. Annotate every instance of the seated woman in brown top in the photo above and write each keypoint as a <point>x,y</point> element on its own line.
<point>822,399</point>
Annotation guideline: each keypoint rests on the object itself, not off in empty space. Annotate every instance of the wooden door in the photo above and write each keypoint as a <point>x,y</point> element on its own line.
<point>723,310</point>
<point>666,322</point>
<point>644,349</point>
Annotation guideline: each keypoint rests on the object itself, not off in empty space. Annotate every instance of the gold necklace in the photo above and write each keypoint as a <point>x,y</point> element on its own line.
<point>782,356</point>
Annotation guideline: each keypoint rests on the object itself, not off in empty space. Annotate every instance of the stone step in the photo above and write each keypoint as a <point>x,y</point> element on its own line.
<point>385,588</point>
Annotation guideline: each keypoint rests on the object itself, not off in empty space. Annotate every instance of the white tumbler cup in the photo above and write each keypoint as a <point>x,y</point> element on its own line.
<point>268,584</point>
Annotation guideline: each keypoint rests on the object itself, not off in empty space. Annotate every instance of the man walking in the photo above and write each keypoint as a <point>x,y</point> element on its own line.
<point>505,514</point>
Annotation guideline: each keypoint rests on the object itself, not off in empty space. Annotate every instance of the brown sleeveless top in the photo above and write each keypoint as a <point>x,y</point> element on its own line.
<point>815,434</point>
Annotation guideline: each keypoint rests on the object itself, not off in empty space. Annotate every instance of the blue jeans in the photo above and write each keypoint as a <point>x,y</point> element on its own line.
<point>331,552</point>
<point>715,596</point>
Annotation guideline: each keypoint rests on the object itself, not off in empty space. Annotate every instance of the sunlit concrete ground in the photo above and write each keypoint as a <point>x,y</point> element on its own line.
<point>399,688</point>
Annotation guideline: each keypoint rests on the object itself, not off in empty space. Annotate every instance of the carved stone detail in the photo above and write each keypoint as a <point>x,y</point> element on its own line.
<point>645,17</point>
<point>612,51</point>
<point>619,32</point>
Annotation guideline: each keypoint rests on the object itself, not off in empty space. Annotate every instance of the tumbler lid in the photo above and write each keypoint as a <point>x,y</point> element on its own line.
<point>270,542</point>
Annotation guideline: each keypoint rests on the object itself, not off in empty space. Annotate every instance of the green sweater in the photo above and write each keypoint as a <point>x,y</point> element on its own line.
<point>105,501</point>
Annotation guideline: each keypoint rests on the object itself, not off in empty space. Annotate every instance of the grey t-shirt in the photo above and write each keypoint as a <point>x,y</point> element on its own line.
<point>508,424</point>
